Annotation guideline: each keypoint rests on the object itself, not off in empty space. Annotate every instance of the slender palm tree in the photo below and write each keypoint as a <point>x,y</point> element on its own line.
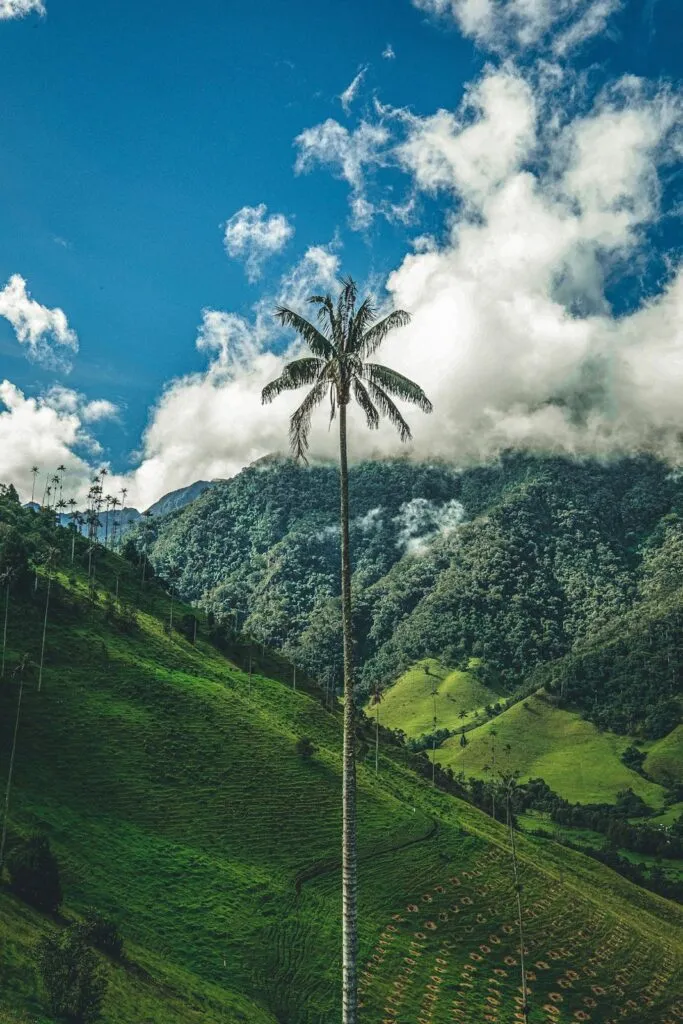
<point>376,701</point>
<point>510,784</point>
<point>34,471</point>
<point>338,368</point>
<point>61,470</point>
<point>20,669</point>
<point>50,560</point>
<point>7,580</point>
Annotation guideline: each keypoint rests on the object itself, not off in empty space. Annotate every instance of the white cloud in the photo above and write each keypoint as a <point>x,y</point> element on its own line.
<point>503,25</point>
<point>20,8</point>
<point>45,332</point>
<point>474,151</point>
<point>46,431</point>
<point>251,235</point>
<point>420,521</point>
<point>351,91</point>
<point>512,336</point>
<point>99,409</point>
<point>211,424</point>
<point>348,154</point>
<point>388,52</point>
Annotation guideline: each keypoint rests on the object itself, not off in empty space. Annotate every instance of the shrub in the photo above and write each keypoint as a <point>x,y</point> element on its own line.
<point>101,932</point>
<point>305,748</point>
<point>72,976</point>
<point>34,873</point>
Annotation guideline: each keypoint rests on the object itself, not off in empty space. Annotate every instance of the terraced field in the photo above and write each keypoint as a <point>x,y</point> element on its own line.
<point>173,794</point>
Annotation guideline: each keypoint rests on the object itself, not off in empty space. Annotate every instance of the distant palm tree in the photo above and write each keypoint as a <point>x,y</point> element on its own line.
<point>338,368</point>
<point>34,471</point>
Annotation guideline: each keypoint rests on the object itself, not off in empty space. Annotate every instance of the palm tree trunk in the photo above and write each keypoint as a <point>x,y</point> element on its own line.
<point>4,632</point>
<point>10,773</point>
<point>518,899</point>
<point>377,739</point>
<point>349,852</point>
<point>42,648</point>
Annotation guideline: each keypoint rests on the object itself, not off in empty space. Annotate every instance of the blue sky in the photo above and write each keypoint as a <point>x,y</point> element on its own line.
<point>131,134</point>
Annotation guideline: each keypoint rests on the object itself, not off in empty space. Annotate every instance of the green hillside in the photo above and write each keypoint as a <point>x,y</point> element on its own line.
<point>428,689</point>
<point>175,800</point>
<point>578,762</point>
<point>664,761</point>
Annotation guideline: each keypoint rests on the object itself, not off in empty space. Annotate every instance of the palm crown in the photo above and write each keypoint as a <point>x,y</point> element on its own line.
<point>341,345</point>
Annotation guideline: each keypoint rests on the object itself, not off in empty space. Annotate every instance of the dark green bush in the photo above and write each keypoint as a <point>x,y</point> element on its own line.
<point>72,976</point>
<point>102,933</point>
<point>305,748</point>
<point>34,873</point>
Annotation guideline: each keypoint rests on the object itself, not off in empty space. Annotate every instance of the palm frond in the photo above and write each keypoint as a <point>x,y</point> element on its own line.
<point>364,316</point>
<point>388,409</point>
<point>319,345</point>
<point>396,384</point>
<point>362,397</point>
<point>374,337</point>
<point>346,303</point>
<point>300,423</point>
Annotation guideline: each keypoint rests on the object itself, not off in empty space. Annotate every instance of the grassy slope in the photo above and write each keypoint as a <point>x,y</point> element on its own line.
<point>174,799</point>
<point>409,704</point>
<point>664,760</point>
<point>577,761</point>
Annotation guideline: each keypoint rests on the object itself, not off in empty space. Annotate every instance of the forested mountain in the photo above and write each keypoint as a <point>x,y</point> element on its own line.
<point>524,563</point>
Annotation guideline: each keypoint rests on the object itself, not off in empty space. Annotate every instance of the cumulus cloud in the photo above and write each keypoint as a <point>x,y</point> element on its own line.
<point>505,25</point>
<point>45,332</point>
<point>477,148</point>
<point>349,154</point>
<point>48,431</point>
<point>512,334</point>
<point>253,236</point>
<point>351,91</point>
<point>20,8</point>
<point>524,348</point>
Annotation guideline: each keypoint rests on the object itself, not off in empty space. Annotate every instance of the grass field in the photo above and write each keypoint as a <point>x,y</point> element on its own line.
<point>542,741</point>
<point>175,800</point>
<point>664,761</point>
<point>428,689</point>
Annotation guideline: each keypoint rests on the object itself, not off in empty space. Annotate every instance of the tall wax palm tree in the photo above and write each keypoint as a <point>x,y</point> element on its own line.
<point>339,368</point>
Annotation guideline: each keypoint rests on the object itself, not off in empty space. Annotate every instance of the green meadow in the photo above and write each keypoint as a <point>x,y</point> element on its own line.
<point>539,740</point>
<point>428,690</point>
